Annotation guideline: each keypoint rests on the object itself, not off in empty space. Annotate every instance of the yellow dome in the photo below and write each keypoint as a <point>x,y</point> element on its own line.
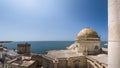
<point>87,33</point>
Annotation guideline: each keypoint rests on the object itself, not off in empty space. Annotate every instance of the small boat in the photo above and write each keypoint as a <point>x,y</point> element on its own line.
<point>106,44</point>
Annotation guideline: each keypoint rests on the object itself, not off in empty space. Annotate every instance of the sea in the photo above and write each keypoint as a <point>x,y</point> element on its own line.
<point>41,47</point>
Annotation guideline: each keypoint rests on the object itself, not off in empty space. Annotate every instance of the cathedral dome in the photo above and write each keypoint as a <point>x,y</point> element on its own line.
<point>87,33</point>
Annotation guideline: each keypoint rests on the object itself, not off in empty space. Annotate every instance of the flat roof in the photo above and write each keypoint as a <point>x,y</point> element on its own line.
<point>23,62</point>
<point>103,58</point>
<point>62,54</point>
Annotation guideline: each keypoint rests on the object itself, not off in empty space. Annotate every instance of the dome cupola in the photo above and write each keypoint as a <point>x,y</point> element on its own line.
<point>87,33</point>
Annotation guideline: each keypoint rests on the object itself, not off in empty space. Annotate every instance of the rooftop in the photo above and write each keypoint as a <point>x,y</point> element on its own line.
<point>22,61</point>
<point>62,54</point>
<point>103,58</point>
<point>87,33</point>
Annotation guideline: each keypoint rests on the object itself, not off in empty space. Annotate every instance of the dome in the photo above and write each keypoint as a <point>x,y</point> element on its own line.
<point>87,33</point>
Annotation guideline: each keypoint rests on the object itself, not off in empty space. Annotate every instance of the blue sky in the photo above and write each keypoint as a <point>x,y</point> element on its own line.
<point>47,20</point>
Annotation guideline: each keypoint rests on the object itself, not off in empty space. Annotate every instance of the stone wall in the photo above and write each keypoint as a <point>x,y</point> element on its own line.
<point>24,49</point>
<point>73,62</point>
<point>48,63</point>
<point>38,59</point>
<point>89,47</point>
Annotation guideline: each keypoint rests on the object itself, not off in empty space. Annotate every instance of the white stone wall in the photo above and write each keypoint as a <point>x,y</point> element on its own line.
<point>89,46</point>
<point>113,33</point>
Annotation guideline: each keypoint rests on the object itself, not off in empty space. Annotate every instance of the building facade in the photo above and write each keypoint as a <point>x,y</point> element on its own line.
<point>87,42</point>
<point>2,55</point>
<point>75,56</point>
<point>21,62</point>
<point>64,59</point>
<point>24,49</point>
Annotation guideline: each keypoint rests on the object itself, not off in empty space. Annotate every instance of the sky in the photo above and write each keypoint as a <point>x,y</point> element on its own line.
<point>51,20</point>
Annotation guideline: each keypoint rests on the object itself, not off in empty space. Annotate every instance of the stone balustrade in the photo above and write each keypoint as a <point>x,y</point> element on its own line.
<point>92,63</point>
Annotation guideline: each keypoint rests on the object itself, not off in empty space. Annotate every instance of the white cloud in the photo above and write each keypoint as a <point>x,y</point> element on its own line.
<point>21,4</point>
<point>34,9</point>
<point>39,6</point>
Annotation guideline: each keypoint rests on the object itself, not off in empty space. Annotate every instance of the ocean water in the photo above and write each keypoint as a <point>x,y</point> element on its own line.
<point>41,47</point>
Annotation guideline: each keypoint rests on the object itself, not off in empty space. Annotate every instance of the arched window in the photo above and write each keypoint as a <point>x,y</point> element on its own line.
<point>96,47</point>
<point>76,64</point>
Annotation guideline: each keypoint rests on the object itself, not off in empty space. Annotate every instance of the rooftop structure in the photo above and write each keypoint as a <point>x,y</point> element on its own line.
<point>103,58</point>
<point>55,54</point>
<point>1,48</point>
<point>24,49</point>
<point>64,59</point>
<point>87,42</point>
<point>19,62</point>
<point>87,33</point>
<point>77,55</point>
<point>11,54</point>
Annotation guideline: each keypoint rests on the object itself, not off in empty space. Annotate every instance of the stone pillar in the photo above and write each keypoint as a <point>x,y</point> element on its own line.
<point>113,33</point>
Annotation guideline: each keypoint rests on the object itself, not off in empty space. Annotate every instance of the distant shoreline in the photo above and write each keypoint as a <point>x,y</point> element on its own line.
<point>6,41</point>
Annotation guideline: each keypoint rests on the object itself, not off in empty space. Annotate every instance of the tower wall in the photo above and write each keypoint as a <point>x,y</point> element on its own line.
<point>113,33</point>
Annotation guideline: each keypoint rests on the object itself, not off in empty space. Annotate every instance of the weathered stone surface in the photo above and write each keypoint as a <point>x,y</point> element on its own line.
<point>113,33</point>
